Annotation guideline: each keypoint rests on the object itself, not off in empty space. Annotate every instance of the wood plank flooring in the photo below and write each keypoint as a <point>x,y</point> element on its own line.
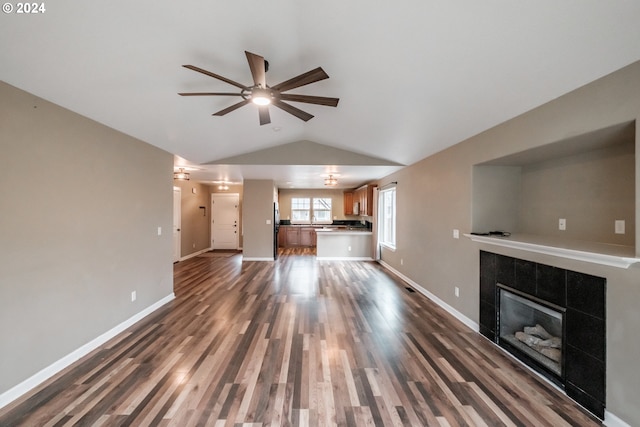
<point>295,342</point>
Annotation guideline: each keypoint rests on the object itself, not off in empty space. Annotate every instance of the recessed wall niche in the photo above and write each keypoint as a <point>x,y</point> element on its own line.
<point>588,180</point>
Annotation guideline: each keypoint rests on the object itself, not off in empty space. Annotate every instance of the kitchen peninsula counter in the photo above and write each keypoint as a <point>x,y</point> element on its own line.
<point>353,244</point>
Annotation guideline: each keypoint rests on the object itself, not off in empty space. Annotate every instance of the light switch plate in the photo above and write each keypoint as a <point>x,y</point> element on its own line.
<point>620,226</point>
<point>456,234</point>
<point>562,224</point>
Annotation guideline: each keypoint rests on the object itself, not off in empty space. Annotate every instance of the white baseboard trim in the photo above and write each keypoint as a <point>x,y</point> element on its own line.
<point>455,313</point>
<point>46,373</point>
<point>195,254</point>
<point>244,258</point>
<point>343,258</point>
<point>611,420</point>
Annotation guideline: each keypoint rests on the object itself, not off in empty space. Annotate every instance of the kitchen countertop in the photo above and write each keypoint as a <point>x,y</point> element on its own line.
<point>329,227</point>
<point>343,231</point>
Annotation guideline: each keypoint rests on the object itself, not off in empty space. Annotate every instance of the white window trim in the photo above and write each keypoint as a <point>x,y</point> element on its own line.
<point>387,245</point>
<point>311,213</point>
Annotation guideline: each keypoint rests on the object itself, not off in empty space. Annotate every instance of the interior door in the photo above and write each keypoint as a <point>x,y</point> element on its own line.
<point>177,221</point>
<point>224,221</point>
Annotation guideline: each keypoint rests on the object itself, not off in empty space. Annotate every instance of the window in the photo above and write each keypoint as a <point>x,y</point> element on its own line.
<point>387,227</point>
<point>300,209</point>
<point>305,210</point>
<point>322,210</point>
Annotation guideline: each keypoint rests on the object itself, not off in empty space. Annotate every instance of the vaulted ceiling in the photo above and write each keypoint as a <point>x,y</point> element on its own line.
<point>413,76</point>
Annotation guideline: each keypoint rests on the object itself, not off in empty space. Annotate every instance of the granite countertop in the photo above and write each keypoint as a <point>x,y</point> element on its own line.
<point>343,230</point>
<point>328,227</point>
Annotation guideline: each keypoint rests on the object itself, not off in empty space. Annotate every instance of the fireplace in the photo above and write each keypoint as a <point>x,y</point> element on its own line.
<point>517,296</point>
<point>532,330</point>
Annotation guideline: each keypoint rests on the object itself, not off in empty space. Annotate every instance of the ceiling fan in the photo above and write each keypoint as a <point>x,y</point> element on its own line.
<point>263,95</point>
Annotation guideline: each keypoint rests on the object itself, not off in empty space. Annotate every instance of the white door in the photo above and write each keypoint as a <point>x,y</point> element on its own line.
<point>224,221</point>
<point>177,220</point>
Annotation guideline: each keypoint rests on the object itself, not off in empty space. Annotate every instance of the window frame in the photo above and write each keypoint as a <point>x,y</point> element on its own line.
<point>297,209</point>
<point>383,237</point>
<point>311,211</point>
<point>329,210</point>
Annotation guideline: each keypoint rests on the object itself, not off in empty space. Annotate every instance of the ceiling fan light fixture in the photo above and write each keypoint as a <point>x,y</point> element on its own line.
<point>260,96</point>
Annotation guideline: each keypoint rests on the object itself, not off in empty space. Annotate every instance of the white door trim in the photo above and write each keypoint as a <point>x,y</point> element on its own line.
<point>177,224</point>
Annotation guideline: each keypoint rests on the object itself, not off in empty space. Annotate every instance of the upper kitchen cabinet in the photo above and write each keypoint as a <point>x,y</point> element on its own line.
<point>348,202</point>
<point>363,200</point>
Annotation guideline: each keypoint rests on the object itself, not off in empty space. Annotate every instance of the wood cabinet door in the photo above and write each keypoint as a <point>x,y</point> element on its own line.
<point>348,203</point>
<point>307,236</point>
<point>293,236</point>
<point>369,200</point>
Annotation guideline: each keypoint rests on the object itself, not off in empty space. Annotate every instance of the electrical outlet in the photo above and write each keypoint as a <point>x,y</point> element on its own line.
<point>159,231</point>
<point>133,296</point>
<point>349,248</point>
<point>619,226</point>
<point>562,224</point>
<point>456,234</point>
<point>401,261</point>
<point>456,291</point>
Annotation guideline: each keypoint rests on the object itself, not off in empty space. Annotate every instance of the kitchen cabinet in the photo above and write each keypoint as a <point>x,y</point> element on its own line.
<point>296,236</point>
<point>364,197</point>
<point>307,237</point>
<point>292,236</point>
<point>282,237</point>
<point>348,202</point>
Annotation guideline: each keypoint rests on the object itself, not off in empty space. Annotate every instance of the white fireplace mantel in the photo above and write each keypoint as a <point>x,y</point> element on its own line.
<point>597,253</point>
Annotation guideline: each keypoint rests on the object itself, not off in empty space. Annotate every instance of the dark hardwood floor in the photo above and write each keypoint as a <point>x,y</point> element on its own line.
<point>295,342</point>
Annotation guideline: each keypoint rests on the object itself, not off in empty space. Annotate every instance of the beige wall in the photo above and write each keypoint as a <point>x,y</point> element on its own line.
<point>434,197</point>
<point>259,196</point>
<point>194,229</point>
<point>80,206</point>
<point>567,188</point>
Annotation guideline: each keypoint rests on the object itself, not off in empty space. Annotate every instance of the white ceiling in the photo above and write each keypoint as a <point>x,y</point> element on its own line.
<point>413,76</point>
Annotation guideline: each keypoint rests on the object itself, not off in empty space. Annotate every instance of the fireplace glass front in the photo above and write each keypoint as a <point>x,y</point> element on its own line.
<point>533,330</point>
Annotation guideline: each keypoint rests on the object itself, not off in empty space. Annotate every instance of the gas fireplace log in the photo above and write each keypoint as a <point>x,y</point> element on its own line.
<point>538,331</point>
<point>532,340</point>
<point>541,341</point>
<point>552,353</point>
<point>528,339</point>
<point>553,342</point>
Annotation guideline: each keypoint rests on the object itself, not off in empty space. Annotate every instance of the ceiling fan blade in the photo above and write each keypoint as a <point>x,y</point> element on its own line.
<point>256,64</point>
<point>301,80</point>
<point>215,76</point>
<point>302,115</point>
<point>210,94</point>
<point>263,111</point>
<point>232,108</point>
<point>320,100</point>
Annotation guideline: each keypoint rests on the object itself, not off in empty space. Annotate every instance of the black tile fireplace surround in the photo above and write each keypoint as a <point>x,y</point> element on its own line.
<point>583,297</point>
